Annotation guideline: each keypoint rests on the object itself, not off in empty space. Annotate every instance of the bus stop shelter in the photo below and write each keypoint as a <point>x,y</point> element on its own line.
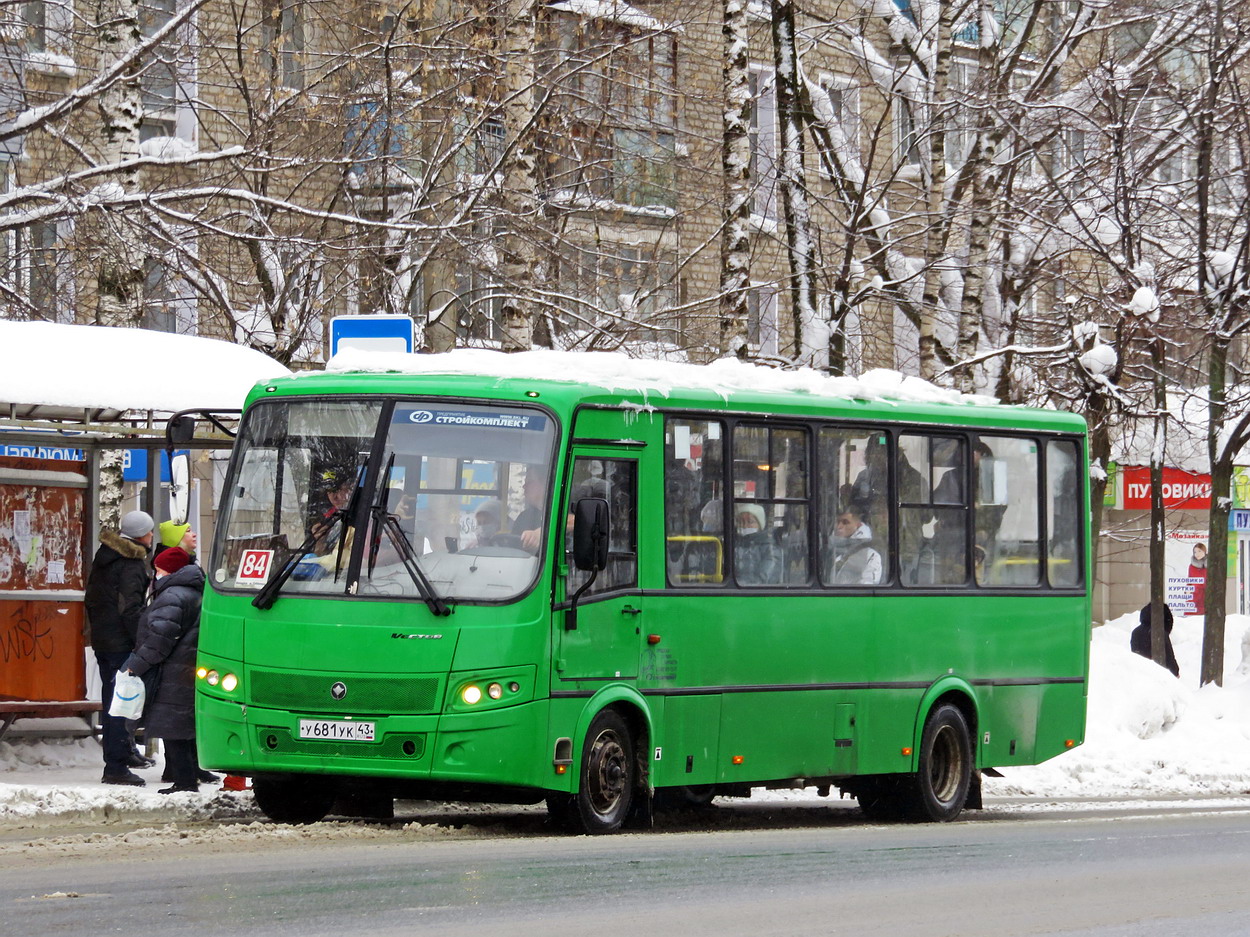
<point>69,394</point>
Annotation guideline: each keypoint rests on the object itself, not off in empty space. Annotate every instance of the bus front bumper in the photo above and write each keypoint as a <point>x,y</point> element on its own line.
<point>504,746</point>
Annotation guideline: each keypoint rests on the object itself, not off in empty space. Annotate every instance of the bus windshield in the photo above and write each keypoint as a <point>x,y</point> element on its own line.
<point>460,490</point>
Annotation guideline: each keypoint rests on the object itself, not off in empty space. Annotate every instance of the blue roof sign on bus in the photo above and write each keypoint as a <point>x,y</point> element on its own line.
<point>371,333</point>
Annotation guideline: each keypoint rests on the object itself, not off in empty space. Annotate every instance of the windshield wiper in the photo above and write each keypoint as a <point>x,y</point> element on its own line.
<point>269,591</point>
<point>383,520</point>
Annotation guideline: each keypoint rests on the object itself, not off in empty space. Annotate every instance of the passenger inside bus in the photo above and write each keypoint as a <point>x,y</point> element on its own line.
<point>855,560</point>
<point>756,557</point>
<point>488,518</point>
<point>528,525</point>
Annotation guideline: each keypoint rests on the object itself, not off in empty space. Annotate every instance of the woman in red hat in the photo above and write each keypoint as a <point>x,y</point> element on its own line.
<point>169,632</point>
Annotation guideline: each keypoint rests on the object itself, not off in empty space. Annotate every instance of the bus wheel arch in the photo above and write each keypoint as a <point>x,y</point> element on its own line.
<point>945,761</point>
<point>611,770</point>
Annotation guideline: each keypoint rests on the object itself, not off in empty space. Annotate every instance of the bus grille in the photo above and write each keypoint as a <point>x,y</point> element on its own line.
<point>311,693</point>
<point>400,746</point>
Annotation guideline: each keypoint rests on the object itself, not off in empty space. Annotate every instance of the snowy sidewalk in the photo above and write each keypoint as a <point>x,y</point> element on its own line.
<point>58,778</point>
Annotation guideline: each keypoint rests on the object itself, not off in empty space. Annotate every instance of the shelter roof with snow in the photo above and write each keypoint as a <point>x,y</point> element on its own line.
<point>95,374</point>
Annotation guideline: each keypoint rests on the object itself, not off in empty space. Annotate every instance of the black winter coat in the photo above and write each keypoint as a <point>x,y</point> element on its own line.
<point>169,634</point>
<point>116,591</point>
<point>1140,643</point>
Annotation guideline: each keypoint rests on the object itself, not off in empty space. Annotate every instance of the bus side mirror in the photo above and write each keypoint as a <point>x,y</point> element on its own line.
<point>180,431</point>
<point>179,487</point>
<point>590,534</point>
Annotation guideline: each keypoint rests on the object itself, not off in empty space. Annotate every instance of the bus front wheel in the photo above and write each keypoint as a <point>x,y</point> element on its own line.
<point>304,799</point>
<point>940,787</point>
<point>606,781</point>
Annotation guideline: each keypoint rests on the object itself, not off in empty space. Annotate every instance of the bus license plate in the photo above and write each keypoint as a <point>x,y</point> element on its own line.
<point>334,730</point>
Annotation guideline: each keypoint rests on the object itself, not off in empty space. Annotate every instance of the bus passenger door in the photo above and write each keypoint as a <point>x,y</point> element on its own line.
<point>602,642</point>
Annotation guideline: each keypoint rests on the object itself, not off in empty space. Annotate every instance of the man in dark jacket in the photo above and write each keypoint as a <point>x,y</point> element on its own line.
<point>116,592</point>
<point>1139,640</point>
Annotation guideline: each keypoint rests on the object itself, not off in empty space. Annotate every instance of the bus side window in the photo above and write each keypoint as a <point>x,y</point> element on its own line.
<point>771,505</point>
<point>616,481</point>
<point>1063,515</point>
<point>694,512</point>
<point>854,475</point>
<point>1005,524</point>
<point>933,514</point>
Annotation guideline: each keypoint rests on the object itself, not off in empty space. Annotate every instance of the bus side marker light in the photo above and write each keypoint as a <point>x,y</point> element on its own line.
<point>562,769</point>
<point>1068,743</point>
<point>906,752</point>
<point>738,759</point>
<point>653,639</point>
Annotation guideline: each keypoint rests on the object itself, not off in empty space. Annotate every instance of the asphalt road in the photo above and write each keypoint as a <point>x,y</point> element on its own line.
<point>1139,871</point>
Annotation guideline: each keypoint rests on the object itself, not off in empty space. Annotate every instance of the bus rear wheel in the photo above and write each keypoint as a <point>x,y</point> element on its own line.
<point>287,799</point>
<point>606,781</point>
<point>939,789</point>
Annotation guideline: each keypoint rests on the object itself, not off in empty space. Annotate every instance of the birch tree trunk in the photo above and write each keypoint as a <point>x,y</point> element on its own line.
<point>520,199</point>
<point>120,280</point>
<point>795,204</point>
<point>735,251</point>
<point>936,235</point>
<point>110,488</point>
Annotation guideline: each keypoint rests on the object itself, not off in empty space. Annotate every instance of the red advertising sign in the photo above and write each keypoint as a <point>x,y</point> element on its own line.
<point>1180,489</point>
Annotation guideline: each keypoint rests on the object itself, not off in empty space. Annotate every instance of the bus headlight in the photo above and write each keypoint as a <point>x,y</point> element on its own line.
<point>494,691</point>
<point>471,694</point>
<point>229,682</point>
<point>213,678</point>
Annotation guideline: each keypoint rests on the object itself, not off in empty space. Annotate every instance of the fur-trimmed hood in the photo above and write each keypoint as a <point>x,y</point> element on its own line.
<point>124,546</point>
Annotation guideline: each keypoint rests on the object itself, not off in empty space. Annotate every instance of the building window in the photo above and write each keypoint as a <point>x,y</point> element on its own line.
<point>763,326</point>
<point>160,75</point>
<point>613,111</point>
<point>625,290</point>
<point>843,97</point>
<point>283,33</point>
<point>907,130</point>
<point>482,147</point>
<point>44,275</point>
<point>35,17</point>
<point>764,140</point>
<point>377,142</point>
<point>167,304</point>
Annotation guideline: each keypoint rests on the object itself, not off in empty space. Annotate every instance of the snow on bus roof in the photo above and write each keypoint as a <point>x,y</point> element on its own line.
<point>50,368</point>
<point>614,371</point>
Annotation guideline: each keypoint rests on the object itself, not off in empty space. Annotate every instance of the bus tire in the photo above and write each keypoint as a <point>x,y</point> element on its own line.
<point>607,779</point>
<point>939,789</point>
<point>294,799</point>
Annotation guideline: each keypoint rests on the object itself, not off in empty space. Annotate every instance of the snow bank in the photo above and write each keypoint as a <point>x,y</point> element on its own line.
<point>1150,733</point>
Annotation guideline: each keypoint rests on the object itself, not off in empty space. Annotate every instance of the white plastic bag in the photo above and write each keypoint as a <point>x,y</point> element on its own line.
<point>127,696</point>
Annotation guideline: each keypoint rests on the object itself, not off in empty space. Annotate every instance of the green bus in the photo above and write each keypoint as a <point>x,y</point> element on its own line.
<point>436,585</point>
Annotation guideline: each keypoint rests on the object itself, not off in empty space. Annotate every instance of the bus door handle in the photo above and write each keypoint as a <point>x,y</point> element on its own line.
<point>630,610</point>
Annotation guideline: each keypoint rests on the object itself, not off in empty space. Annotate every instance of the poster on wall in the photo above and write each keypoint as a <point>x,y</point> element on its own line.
<point>1185,561</point>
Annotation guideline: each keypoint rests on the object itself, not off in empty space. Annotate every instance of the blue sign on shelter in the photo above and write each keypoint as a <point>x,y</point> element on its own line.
<point>372,333</point>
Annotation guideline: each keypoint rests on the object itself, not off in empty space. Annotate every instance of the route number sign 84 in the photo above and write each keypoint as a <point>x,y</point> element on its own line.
<point>254,567</point>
